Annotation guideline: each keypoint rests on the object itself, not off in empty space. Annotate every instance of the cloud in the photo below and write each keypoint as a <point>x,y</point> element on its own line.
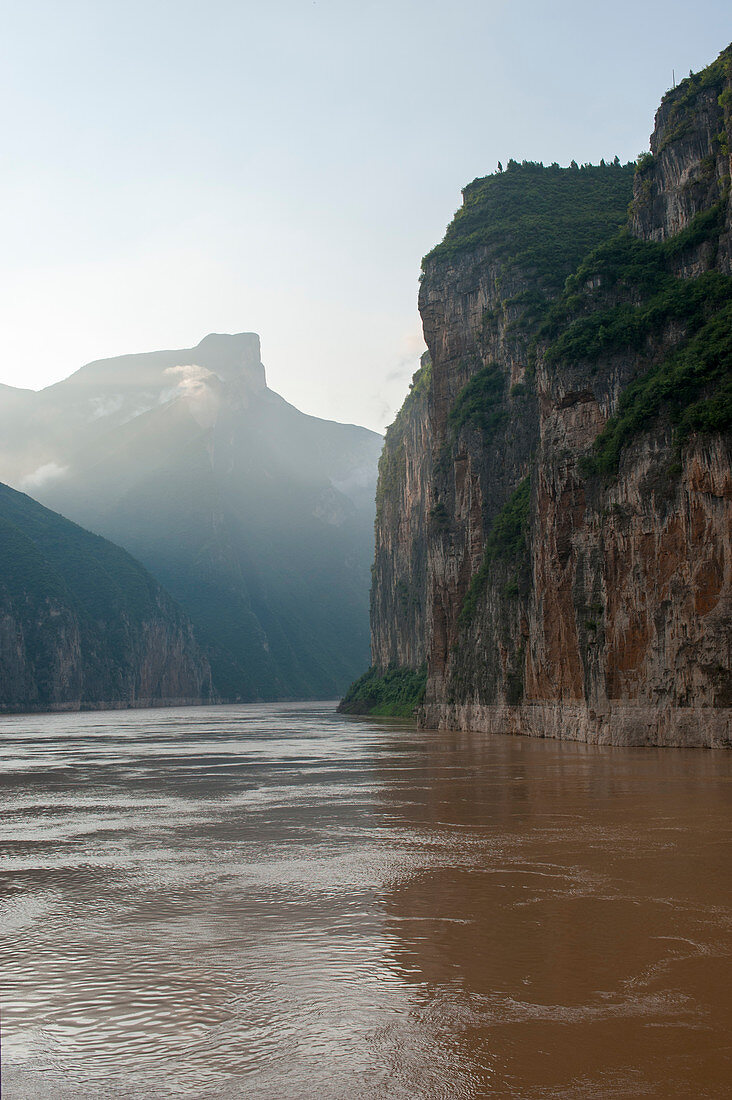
<point>194,385</point>
<point>192,380</point>
<point>50,471</point>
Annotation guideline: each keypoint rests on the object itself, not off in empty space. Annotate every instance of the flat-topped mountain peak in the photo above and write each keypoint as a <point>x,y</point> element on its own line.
<point>231,357</point>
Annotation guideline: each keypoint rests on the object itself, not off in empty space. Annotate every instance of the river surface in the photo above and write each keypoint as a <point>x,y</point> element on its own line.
<point>277,901</point>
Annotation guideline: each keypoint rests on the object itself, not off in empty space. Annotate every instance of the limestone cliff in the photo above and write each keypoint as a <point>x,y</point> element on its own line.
<point>399,575</point>
<point>569,487</point>
<point>82,625</point>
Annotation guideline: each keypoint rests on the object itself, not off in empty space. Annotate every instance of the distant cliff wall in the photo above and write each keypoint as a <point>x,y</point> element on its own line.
<point>82,625</point>
<point>399,597</point>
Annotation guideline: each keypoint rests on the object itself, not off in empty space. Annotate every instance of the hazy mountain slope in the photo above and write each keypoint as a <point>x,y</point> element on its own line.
<point>82,624</point>
<point>258,518</point>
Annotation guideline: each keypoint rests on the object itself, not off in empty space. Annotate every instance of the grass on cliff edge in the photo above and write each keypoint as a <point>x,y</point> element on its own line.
<point>393,693</point>
<point>682,99</point>
<point>542,219</point>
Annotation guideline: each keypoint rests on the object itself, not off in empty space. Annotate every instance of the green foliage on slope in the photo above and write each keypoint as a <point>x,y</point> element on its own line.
<point>80,607</point>
<point>420,384</point>
<point>393,693</point>
<point>480,403</point>
<point>626,292</point>
<point>102,580</point>
<point>694,384</point>
<point>624,298</point>
<point>541,219</point>
<point>507,542</point>
<point>683,98</point>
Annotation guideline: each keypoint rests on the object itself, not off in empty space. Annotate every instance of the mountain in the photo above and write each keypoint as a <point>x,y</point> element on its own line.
<point>82,625</point>
<point>554,502</point>
<point>257,518</point>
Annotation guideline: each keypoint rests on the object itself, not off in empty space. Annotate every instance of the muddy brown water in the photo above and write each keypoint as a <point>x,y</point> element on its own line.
<point>277,901</point>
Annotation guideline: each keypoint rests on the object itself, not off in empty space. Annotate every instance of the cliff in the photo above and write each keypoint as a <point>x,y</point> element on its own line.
<point>399,575</point>
<point>569,487</point>
<point>82,625</point>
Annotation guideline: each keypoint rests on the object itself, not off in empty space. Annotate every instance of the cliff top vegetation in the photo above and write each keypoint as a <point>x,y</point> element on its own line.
<point>543,219</point>
<point>681,101</point>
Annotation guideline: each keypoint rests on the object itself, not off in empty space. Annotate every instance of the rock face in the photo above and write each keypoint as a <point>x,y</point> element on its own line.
<point>254,516</point>
<point>562,503</point>
<point>82,625</point>
<point>399,576</point>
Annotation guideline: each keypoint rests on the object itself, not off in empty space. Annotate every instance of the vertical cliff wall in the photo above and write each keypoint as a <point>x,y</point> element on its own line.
<point>401,634</point>
<point>573,501</point>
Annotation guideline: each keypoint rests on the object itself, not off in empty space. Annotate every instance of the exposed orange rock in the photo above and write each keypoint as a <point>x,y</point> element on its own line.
<point>616,626</point>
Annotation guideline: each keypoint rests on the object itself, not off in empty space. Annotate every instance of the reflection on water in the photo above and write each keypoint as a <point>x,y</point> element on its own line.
<point>276,901</point>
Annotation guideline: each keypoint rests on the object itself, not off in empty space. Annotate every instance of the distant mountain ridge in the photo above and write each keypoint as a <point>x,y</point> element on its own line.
<point>256,517</point>
<point>83,625</point>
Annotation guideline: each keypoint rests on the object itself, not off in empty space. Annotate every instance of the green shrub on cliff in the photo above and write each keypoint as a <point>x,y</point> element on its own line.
<point>629,327</point>
<point>421,381</point>
<point>507,541</point>
<point>683,98</point>
<point>541,219</point>
<point>624,298</point>
<point>694,384</point>
<point>643,294</point>
<point>393,693</point>
<point>480,403</point>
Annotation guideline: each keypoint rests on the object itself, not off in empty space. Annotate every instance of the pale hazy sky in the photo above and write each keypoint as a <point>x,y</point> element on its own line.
<point>178,167</point>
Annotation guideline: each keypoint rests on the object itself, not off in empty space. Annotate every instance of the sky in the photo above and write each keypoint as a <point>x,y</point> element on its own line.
<point>173,167</point>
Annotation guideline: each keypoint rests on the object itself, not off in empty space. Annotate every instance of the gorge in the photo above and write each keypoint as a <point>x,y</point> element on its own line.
<point>83,625</point>
<point>255,517</point>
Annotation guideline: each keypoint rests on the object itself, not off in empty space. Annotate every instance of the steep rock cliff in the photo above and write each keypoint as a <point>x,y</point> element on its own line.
<point>399,574</point>
<point>577,542</point>
<point>82,625</point>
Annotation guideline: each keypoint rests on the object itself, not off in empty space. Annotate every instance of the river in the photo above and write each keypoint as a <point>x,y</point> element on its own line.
<point>279,902</point>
